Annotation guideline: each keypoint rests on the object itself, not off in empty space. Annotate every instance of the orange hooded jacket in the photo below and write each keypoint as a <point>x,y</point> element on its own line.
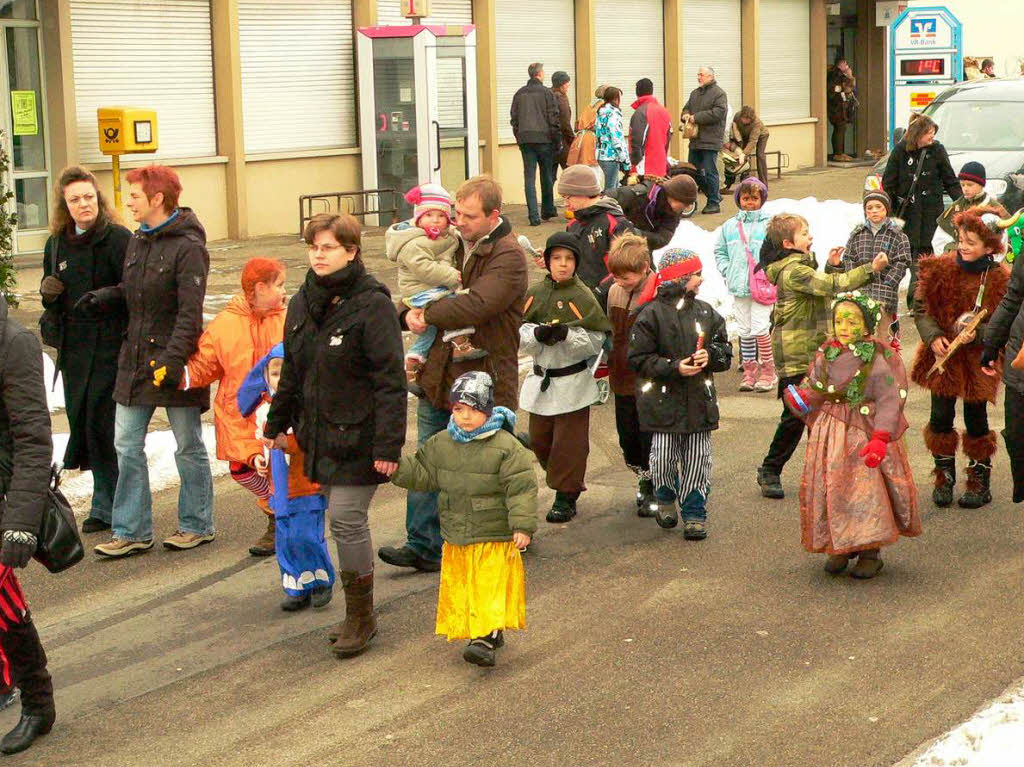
<point>229,348</point>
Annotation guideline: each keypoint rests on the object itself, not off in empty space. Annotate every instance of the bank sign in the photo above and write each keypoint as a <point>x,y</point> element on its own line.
<point>927,30</point>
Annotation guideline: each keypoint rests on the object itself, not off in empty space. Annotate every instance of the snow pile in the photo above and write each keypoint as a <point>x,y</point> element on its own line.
<point>831,222</point>
<point>54,392</point>
<point>991,738</point>
<point>163,473</point>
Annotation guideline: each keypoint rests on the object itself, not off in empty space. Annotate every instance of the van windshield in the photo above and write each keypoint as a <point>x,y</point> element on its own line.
<point>992,125</point>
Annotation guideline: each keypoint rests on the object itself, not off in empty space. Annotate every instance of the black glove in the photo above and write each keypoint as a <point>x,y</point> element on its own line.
<point>989,355</point>
<point>549,335</point>
<point>88,305</point>
<point>172,377</point>
<point>18,548</point>
<point>50,288</point>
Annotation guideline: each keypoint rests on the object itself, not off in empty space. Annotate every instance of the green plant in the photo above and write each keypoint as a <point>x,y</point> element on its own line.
<point>8,222</point>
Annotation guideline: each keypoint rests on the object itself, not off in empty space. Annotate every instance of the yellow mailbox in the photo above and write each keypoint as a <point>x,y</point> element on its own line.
<point>126,130</point>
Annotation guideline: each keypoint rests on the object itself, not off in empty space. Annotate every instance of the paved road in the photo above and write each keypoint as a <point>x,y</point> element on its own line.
<point>642,649</point>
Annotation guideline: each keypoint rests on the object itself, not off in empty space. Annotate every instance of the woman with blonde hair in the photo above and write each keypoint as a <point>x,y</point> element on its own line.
<point>86,251</point>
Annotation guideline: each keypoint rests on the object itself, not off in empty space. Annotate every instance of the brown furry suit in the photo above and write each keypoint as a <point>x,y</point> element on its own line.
<point>944,292</point>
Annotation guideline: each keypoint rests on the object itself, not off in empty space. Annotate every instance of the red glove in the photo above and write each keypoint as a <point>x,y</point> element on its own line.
<point>895,344</point>
<point>874,451</point>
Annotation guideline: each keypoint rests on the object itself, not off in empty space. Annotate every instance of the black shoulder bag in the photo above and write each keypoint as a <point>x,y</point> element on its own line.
<point>899,219</point>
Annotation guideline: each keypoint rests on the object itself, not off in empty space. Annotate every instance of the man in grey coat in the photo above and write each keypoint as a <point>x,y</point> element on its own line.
<point>708,107</point>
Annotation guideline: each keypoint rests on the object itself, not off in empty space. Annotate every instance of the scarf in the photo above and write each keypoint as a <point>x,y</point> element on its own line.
<point>321,291</point>
<point>569,303</point>
<point>501,418</point>
<point>983,264</point>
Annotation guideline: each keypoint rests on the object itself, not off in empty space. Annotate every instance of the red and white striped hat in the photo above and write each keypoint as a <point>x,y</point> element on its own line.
<point>429,197</point>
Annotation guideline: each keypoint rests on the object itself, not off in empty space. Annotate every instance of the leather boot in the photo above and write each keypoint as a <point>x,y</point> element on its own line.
<point>836,563</point>
<point>564,507</point>
<point>766,380</point>
<point>360,624</point>
<point>646,506</point>
<point>28,669</point>
<point>749,375</point>
<point>464,351</point>
<point>869,564</point>
<point>413,367</point>
<point>945,480</point>
<point>264,547</point>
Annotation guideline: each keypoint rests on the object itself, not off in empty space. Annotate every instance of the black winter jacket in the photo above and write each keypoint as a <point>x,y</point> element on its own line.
<point>596,226</point>
<point>709,106</point>
<point>26,449</point>
<point>662,336</point>
<point>534,115</point>
<point>1006,327</point>
<point>91,345</point>
<point>164,285</point>
<point>937,177</point>
<point>655,220</point>
<point>343,382</point>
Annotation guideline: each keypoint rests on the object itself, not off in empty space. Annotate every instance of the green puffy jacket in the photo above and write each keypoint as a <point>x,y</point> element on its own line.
<point>486,488</point>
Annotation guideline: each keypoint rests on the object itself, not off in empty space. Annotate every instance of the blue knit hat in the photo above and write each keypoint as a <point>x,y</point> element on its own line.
<point>475,389</point>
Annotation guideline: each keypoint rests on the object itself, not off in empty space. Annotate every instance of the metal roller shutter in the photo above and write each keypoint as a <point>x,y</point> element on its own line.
<point>449,75</point>
<point>528,31</point>
<point>711,37</point>
<point>389,12</point>
<point>785,69</point>
<point>630,45</point>
<point>297,60</point>
<point>153,54</point>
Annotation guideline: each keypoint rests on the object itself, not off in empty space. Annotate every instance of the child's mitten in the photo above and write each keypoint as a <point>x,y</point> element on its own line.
<point>874,451</point>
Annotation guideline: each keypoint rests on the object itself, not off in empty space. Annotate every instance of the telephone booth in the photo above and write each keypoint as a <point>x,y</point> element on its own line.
<point>417,99</point>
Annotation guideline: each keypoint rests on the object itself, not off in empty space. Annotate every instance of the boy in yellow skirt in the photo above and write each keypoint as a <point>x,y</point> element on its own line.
<point>488,507</point>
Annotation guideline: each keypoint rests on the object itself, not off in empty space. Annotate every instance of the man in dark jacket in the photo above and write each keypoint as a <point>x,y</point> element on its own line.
<point>535,124</point>
<point>493,269</point>
<point>25,455</point>
<point>649,131</point>
<point>708,106</point>
<point>560,87</point>
<point>164,284</point>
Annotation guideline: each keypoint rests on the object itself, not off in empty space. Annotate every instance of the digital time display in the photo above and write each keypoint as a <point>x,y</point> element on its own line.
<point>923,67</point>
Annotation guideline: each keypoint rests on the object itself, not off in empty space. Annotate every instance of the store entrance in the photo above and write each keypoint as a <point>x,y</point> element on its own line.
<point>842,43</point>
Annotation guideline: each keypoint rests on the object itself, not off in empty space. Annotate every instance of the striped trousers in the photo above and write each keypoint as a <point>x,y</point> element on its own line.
<point>682,463</point>
<point>22,658</point>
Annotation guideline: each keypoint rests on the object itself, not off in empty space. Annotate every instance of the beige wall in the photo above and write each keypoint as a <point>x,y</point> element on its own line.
<point>795,140</point>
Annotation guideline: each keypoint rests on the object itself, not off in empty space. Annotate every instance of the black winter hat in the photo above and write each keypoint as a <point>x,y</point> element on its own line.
<point>973,171</point>
<point>559,78</point>
<point>565,240</point>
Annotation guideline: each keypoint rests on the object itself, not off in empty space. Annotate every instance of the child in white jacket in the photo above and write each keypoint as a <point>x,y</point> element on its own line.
<point>425,248</point>
<point>564,330</point>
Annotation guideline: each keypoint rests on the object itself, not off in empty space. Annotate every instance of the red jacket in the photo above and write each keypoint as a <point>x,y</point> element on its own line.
<point>649,131</point>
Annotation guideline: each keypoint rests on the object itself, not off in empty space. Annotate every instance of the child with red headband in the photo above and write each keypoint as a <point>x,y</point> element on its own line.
<point>424,248</point>
<point>677,342</point>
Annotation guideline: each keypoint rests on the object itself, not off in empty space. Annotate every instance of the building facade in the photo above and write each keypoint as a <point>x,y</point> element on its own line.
<point>257,99</point>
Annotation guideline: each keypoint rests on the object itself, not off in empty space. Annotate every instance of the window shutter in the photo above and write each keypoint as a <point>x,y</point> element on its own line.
<point>785,68</point>
<point>630,46</point>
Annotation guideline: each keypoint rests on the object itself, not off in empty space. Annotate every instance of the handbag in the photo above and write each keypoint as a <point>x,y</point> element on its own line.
<point>761,289</point>
<point>51,323</point>
<point>688,128</point>
<point>59,544</point>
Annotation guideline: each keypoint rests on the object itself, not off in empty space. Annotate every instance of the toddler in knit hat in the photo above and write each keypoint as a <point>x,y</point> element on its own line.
<point>424,248</point>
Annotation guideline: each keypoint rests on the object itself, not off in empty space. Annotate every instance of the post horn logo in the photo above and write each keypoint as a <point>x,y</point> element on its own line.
<point>110,134</point>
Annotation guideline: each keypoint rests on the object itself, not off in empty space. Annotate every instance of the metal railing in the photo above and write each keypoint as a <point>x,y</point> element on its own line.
<point>359,203</point>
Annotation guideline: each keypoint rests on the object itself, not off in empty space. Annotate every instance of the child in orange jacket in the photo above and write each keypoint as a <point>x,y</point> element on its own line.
<point>236,339</point>
<point>307,574</point>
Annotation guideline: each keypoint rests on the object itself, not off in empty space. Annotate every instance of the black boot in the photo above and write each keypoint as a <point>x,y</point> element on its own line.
<point>480,651</point>
<point>945,480</point>
<point>646,506</point>
<point>770,482</point>
<point>564,507</point>
<point>28,669</point>
<point>979,486</point>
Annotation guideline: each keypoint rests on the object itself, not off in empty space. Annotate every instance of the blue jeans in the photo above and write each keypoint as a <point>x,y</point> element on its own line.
<point>693,508</point>
<point>133,503</point>
<point>611,173</point>
<point>421,346</point>
<point>706,162</point>
<point>543,155</point>
<point>422,525</point>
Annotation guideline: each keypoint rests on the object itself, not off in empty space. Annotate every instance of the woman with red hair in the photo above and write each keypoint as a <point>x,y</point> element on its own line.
<point>951,290</point>
<point>237,338</point>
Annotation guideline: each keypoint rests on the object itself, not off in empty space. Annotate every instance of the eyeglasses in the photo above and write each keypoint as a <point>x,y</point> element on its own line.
<point>325,248</point>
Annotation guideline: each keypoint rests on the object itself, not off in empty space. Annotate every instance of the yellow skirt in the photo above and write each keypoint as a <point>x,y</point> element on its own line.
<point>483,589</point>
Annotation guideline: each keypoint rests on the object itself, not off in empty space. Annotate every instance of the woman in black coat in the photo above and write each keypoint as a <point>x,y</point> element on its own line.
<point>919,155</point>
<point>342,390</point>
<point>84,252</point>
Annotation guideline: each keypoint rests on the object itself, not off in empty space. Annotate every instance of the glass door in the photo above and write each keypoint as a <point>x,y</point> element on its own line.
<point>396,125</point>
<point>453,150</point>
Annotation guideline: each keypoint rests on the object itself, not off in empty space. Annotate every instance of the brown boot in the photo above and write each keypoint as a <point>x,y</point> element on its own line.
<point>869,564</point>
<point>360,624</point>
<point>836,563</point>
<point>464,351</point>
<point>413,367</point>
<point>264,547</point>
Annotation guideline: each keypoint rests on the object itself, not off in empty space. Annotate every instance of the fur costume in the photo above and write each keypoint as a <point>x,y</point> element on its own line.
<point>944,293</point>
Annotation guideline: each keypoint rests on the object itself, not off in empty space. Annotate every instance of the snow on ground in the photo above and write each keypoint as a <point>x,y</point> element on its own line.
<point>54,393</point>
<point>993,737</point>
<point>830,223</point>
<point>77,485</point>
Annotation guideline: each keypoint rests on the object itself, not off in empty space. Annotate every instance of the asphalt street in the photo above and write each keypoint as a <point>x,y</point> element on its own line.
<point>641,648</point>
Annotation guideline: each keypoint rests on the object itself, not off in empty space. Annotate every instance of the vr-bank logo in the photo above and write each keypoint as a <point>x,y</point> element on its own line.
<point>923,28</point>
